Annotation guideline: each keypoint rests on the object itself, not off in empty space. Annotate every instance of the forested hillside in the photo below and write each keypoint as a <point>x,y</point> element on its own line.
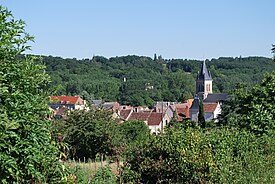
<point>139,80</point>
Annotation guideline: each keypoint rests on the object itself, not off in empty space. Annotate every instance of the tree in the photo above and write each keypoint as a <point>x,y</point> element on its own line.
<point>241,156</point>
<point>252,109</point>
<point>201,119</point>
<point>155,57</point>
<point>134,131</point>
<point>92,132</point>
<point>273,51</point>
<point>195,155</point>
<point>180,155</point>
<point>27,151</point>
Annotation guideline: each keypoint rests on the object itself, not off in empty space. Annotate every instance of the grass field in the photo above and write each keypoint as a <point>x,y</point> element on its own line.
<point>83,171</point>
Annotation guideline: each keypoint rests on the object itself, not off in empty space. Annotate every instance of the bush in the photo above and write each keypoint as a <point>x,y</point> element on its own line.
<point>103,175</point>
<point>194,155</point>
<point>28,153</point>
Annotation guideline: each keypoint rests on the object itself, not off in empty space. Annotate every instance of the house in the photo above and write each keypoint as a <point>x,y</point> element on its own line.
<point>182,112</point>
<point>107,105</point>
<point>69,102</point>
<point>212,101</point>
<point>114,106</point>
<point>156,121</point>
<point>165,108</point>
<point>96,102</point>
<point>211,110</point>
<point>60,113</point>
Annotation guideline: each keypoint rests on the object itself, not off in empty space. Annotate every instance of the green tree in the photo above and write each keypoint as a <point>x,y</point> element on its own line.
<point>254,109</point>
<point>92,132</point>
<point>273,51</point>
<point>27,151</point>
<point>180,155</point>
<point>134,131</point>
<point>241,156</point>
<point>201,119</point>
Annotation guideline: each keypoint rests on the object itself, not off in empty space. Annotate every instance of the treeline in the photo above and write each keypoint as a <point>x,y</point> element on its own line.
<point>139,80</point>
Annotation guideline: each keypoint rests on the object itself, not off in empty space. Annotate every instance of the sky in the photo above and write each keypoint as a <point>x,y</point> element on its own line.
<point>179,29</point>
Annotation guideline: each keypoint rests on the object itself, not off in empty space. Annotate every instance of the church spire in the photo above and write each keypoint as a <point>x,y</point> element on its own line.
<point>204,73</point>
<point>204,82</point>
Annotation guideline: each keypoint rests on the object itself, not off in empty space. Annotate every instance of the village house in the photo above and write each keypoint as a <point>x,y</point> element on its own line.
<point>69,102</point>
<point>212,101</point>
<point>114,106</point>
<point>182,110</point>
<point>62,104</point>
<point>156,121</point>
<point>166,108</point>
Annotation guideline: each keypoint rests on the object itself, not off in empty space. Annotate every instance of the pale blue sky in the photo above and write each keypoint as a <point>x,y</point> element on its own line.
<point>194,29</point>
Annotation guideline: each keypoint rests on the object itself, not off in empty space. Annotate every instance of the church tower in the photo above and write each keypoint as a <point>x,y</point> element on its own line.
<point>203,82</point>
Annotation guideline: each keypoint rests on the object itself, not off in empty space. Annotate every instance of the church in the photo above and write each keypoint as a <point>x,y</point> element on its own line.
<point>211,101</point>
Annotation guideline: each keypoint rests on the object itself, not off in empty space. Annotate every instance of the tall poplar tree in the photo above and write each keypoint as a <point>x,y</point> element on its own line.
<point>201,118</point>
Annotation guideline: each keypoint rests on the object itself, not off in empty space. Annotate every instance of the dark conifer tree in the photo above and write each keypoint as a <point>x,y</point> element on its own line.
<point>201,118</point>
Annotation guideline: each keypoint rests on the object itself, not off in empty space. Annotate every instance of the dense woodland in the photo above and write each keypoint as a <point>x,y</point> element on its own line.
<point>139,80</point>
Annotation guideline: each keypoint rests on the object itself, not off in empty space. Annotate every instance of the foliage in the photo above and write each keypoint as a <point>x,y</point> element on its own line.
<point>201,119</point>
<point>254,109</point>
<point>134,131</point>
<point>227,72</point>
<point>242,157</point>
<point>194,155</point>
<point>13,37</point>
<point>27,152</point>
<point>139,80</point>
<point>273,51</point>
<point>90,133</point>
<point>178,156</point>
<point>103,175</point>
<point>91,172</point>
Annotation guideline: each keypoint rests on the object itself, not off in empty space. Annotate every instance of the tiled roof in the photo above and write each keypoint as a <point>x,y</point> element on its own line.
<point>195,104</point>
<point>61,111</point>
<point>108,105</point>
<point>97,102</point>
<point>154,118</point>
<point>125,113</point>
<point>182,111</point>
<point>139,116</point>
<point>209,107</point>
<point>66,99</point>
<point>189,102</point>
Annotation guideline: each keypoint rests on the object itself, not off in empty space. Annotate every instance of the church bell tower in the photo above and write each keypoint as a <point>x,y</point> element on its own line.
<point>203,82</point>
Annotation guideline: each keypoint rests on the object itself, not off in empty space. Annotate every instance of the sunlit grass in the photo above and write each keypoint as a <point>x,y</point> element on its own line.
<point>82,172</point>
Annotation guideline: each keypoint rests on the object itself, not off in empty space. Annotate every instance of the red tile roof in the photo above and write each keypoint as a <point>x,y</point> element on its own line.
<point>61,111</point>
<point>66,99</point>
<point>125,113</point>
<point>209,107</point>
<point>139,116</point>
<point>189,102</point>
<point>155,118</point>
<point>182,111</point>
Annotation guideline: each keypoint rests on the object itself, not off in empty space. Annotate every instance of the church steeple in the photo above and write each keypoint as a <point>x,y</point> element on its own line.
<point>203,82</point>
<point>204,74</point>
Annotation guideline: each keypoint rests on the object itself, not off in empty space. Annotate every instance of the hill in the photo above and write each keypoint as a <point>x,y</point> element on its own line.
<point>140,80</point>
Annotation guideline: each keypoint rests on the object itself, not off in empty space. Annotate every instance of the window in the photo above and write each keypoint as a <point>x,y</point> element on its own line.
<point>208,87</point>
